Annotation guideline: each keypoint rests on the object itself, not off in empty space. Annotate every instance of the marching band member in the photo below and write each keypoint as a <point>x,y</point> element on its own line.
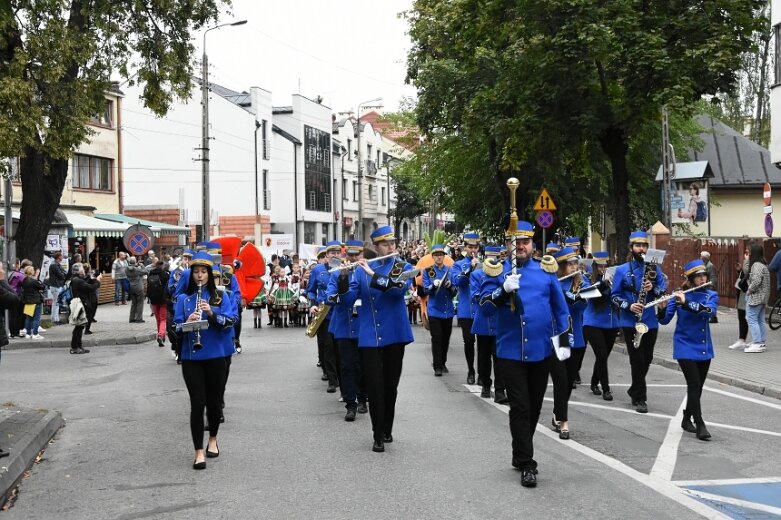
<point>563,373</point>
<point>552,248</point>
<point>344,328</point>
<point>574,243</point>
<point>437,284</point>
<point>692,341</point>
<point>600,327</point>
<point>383,330</point>
<point>204,362</point>
<point>632,279</point>
<point>485,328</point>
<point>524,341</point>
<point>316,291</point>
<point>461,272</point>
<point>177,283</point>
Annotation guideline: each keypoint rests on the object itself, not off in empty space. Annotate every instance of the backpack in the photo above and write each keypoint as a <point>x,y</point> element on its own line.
<point>154,288</point>
<point>702,212</point>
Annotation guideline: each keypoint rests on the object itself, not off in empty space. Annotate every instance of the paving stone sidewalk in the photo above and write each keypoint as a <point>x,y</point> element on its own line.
<point>112,328</point>
<point>760,373</point>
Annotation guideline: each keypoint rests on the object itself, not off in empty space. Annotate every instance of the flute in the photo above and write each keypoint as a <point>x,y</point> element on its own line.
<point>671,296</point>
<point>571,275</point>
<point>352,265</point>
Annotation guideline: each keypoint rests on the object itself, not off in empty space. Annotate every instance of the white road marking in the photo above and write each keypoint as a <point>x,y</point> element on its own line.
<point>663,487</point>
<point>735,502</point>
<point>664,465</point>
<point>728,481</point>
<point>745,398</point>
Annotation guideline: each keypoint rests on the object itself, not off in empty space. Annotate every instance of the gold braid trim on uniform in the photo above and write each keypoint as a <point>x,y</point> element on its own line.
<point>549,264</point>
<point>492,267</point>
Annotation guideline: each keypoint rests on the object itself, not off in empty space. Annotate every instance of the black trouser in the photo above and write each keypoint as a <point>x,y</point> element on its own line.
<point>469,342</point>
<point>440,329</point>
<point>526,384</point>
<point>16,318</point>
<point>563,374</point>
<point>695,373</point>
<point>486,354</point>
<point>640,359</point>
<point>381,372</point>
<point>225,384</point>
<point>601,341</point>
<point>329,359</point>
<point>742,324</point>
<point>90,310</point>
<point>351,376</point>
<point>205,382</point>
<point>176,346</point>
<point>237,327</point>
<point>78,330</point>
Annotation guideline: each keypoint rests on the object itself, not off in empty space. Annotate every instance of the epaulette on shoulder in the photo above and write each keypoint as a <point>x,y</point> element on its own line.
<point>492,268</point>
<point>549,264</point>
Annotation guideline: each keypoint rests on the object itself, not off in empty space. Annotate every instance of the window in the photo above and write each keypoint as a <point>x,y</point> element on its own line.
<point>344,189</point>
<point>383,195</point>
<point>317,169</point>
<point>349,149</point>
<point>368,151</point>
<point>371,193</point>
<point>264,139</point>
<point>266,192</point>
<point>325,231</point>
<point>378,159</point>
<point>92,173</point>
<point>106,118</point>
<point>355,190</point>
<point>777,40</point>
<point>309,233</point>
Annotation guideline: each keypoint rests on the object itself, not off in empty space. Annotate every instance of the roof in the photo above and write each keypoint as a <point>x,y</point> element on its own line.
<point>242,99</point>
<point>689,171</point>
<point>158,228</point>
<point>282,110</point>
<point>737,162</point>
<point>84,225</point>
<point>290,137</point>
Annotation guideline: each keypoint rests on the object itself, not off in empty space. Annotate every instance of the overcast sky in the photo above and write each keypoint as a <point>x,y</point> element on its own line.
<point>347,51</point>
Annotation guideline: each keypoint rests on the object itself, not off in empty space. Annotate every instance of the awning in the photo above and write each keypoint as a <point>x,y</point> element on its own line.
<point>685,171</point>
<point>84,225</point>
<point>158,228</point>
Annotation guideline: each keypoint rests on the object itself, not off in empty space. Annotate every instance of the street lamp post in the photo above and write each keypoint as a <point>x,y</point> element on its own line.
<point>360,169</point>
<point>205,209</point>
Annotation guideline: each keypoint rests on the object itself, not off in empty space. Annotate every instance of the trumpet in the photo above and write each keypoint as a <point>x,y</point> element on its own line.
<point>353,265</point>
<point>197,341</point>
<point>671,296</point>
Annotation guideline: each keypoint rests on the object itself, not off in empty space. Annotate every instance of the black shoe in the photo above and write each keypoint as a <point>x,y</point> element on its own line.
<point>222,418</point>
<point>595,390</point>
<point>269,324</point>
<point>83,351</point>
<point>160,342</point>
<point>528,478</point>
<point>87,332</point>
<point>470,379</point>
<point>213,454</point>
<point>388,438</point>
<point>3,453</point>
<point>555,424</point>
<point>74,351</point>
<point>199,465</point>
<point>93,321</point>
<point>445,370</point>
<point>686,423</point>
<point>486,392</point>
<point>480,382</point>
<point>378,446</point>
<point>500,397</point>
<point>140,321</point>
<point>607,395</point>
<point>362,408</point>
<point>642,407</point>
<point>324,377</point>
<point>564,435</point>
<point>702,432</point>
<point>331,389</point>
<point>350,415</point>
<point>577,379</point>
<point>438,372</point>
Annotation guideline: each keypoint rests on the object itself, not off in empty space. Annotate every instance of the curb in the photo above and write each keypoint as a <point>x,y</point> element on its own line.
<point>24,451</point>
<point>750,386</point>
<point>87,341</point>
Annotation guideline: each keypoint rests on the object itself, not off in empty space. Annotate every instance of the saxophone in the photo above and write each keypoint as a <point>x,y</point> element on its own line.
<point>649,275</point>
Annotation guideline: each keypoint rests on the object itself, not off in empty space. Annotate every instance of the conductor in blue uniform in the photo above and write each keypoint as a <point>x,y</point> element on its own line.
<point>531,310</point>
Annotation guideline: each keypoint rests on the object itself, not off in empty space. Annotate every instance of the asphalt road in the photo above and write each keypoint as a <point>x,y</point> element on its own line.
<point>286,451</point>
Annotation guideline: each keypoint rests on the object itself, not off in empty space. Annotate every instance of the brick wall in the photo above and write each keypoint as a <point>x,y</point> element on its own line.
<point>165,216</point>
<point>244,225</point>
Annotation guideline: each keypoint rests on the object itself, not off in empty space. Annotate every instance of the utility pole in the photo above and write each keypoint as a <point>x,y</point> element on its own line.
<point>668,170</point>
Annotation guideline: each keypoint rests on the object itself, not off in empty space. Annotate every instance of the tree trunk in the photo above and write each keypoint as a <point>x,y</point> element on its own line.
<point>43,179</point>
<point>614,144</point>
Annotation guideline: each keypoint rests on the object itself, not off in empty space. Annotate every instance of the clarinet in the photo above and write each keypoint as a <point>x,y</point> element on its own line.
<point>197,341</point>
<point>649,275</point>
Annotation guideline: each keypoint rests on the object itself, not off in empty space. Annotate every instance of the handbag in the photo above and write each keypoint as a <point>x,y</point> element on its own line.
<point>742,283</point>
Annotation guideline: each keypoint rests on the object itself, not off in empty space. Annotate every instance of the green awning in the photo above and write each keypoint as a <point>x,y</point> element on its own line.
<point>158,228</point>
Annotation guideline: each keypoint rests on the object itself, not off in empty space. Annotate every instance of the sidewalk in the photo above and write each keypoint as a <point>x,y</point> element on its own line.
<point>112,328</point>
<point>760,373</point>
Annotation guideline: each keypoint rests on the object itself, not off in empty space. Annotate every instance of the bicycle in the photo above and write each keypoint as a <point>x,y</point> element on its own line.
<point>774,316</point>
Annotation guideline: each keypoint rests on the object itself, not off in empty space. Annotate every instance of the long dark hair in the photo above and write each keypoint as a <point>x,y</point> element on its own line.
<point>192,287</point>
<point>755,254</point>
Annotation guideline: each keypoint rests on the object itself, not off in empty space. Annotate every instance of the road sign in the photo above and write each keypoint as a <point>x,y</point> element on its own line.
<point>769,225</point>
<point>545,219</point>
<point>766,193</point>
<point>544,202</point>
<point>138,240</point>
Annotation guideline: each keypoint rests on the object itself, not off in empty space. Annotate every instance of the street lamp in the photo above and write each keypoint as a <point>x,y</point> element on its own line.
<point>360,169</point>
<point>205,215</point>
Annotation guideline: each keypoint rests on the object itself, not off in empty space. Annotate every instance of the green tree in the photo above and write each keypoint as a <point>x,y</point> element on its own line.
<point>409,204</point>
<point>562,91</point>
<point>56,60</point>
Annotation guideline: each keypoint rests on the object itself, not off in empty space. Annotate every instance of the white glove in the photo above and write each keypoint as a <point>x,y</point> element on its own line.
<point>512,283</point>
<point>437,283</point>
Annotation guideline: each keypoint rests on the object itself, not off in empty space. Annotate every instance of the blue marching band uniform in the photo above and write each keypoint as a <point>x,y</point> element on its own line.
<point>465,312</point>
<point>438,285</point>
